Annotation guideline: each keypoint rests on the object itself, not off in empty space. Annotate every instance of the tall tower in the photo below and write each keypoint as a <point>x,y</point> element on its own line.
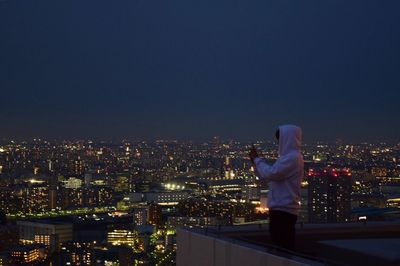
<point>79,166</point>
<point>329,195</point>
<point>216,143</point>
<point>50,166</point>
<point>228,169</point>
<point>53,191</point>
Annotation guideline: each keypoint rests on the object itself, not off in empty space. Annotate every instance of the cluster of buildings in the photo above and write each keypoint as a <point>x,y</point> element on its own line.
<point>98,203</point>
<point>105,239</point>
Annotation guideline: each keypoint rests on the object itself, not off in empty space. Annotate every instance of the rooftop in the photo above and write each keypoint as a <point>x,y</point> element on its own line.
<point>372,243</point>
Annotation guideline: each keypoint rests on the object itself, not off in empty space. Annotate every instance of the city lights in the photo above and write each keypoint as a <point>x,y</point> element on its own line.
<point>174,184</point>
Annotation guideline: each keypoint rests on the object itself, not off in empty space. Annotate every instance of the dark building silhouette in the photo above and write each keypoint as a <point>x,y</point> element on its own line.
<point>329,195</point>
<point>155,216</point>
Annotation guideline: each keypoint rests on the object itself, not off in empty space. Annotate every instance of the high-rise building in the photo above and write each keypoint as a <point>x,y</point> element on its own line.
<point>141,215</point>
<point>155,217</point>
<point>79,166</point>
<point>36,198</point>
<point>9,199</point>
<point>329,192</point>
<point>228,170</point>
<point>52,197</point>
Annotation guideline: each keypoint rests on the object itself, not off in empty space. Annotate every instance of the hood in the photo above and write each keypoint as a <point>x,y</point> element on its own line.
<point>290,138</point>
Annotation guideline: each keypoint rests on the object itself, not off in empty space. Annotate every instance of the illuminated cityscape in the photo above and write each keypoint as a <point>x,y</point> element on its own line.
<point>83,201</point>
<point>147,133</point>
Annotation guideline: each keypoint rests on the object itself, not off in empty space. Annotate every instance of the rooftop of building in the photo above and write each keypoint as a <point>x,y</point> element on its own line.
<point>371,243</point>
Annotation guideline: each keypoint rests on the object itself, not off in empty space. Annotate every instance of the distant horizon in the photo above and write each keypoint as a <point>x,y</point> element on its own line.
<point>195,141</point>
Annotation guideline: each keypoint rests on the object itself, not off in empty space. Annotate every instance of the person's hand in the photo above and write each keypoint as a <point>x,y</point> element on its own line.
<point>253,154</point>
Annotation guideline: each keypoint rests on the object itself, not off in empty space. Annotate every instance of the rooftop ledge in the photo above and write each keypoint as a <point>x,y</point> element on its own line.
<point>373,243</point>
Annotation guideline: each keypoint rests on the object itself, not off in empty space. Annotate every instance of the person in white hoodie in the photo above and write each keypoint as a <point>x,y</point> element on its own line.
<point>284,178</point>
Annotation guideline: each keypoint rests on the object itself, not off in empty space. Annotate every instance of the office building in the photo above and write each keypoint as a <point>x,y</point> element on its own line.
<point>49,233</point>
<point>27,254</point>
<point>329,195</point>
<point>141,215</point>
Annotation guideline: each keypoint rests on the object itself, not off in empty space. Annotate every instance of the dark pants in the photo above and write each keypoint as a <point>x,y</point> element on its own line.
<point>282,229</point>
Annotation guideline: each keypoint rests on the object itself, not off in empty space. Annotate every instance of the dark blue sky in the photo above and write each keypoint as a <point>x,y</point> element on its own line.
<point>195,69</point>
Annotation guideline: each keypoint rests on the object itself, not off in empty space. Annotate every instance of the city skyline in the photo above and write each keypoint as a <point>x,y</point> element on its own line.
<point>144,132</point>
<point>128,202</point>
<point>197,70</point>
<point>271,142</point>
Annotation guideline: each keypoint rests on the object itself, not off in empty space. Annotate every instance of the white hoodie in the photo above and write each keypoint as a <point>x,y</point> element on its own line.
<point>285,175</point>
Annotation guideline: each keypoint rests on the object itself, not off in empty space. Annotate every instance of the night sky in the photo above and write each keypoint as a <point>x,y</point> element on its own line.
<point>196,69</point>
